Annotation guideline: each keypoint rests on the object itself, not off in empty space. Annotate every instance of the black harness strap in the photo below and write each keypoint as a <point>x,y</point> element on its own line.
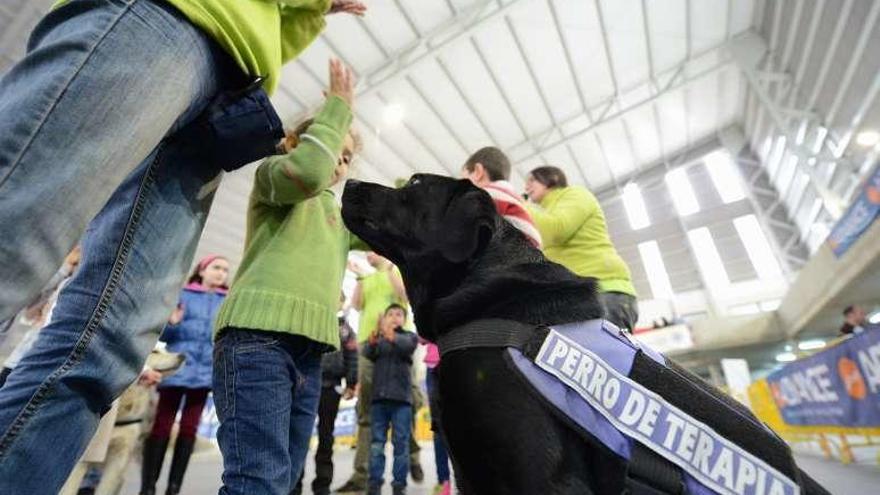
<point>647,472</point>
<point>650,474</point>
<point>489,333</point>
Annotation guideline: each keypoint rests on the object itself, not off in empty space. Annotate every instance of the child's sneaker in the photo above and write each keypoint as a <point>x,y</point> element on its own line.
<point>374,490</point>
<point>444,488</point>
<point>398,490</point>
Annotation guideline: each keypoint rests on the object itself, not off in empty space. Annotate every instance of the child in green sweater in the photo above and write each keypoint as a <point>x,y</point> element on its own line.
<point>280,314</point>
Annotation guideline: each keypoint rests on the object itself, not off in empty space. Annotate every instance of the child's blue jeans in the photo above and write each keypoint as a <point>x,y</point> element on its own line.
<point>266,390</point>
<point>398,416</point>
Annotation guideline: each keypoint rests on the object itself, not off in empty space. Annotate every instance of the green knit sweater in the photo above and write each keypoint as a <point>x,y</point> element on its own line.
<point>296,245</point>
<point>574,233</point>
<point>260,35</point>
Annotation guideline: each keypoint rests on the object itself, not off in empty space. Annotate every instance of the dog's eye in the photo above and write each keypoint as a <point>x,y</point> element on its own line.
<point>414,181</point>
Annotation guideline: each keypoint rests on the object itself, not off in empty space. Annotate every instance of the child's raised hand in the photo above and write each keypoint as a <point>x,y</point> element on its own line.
<point>341,82</point>
<point>356,268</point>
<point>176,315</point>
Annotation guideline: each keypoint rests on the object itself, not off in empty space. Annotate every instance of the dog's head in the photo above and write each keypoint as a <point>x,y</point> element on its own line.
<point>444,220</point>
<point>432,228</point>
<point>165,362</point>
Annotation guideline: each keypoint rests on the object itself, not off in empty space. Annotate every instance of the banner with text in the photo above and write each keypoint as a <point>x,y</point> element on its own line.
<point>858,217</point>
<point>839,386</point>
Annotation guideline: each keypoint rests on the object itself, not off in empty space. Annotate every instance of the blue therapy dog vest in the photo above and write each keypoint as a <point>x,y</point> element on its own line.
<point>582,370</point>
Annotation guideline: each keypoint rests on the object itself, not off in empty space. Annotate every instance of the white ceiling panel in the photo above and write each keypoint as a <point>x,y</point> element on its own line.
<point>617,149</point>
<point>495,44</point>
<point>626,37</point>
<point>673,121</point>
<point>534,27</point>
<point>708,24</point>
<point>428,14</point>
<point>583,33</point>
<point>388,25</point>
<point>434,83</point>
<point>352,41</point>
<point>666,23</point>
<point>643,129</point>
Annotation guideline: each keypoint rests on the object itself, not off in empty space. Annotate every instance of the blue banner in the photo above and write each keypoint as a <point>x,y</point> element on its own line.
<point>839,386</point>
<point>858,217</point>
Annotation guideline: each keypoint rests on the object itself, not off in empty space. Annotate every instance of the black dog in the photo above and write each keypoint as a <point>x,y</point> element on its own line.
<point>461,262</point>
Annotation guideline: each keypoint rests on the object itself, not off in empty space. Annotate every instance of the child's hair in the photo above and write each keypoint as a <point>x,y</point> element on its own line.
<point>195,277</point>
<point>495,162</point>
<point>293,136</point>
<point>550,176</point>
<point>394,306</point>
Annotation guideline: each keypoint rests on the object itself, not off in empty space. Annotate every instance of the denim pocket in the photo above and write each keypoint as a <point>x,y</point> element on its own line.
<point>252,341</point>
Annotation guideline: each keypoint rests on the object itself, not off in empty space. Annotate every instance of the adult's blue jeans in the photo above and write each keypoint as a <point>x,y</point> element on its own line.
<point>397,416</point>
<point>89,117</point>
<point>266,391</point>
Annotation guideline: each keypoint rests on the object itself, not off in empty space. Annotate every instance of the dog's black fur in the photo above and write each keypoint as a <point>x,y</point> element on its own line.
<point>460,262</point>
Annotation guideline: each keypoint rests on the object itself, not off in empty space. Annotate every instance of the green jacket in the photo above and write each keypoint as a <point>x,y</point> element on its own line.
<point>261,35</point>
<point>378,294</point>
<point>296,245</point>
<point>574,233</point>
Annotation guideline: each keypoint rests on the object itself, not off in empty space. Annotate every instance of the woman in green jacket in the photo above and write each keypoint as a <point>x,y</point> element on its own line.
<point>575,235</point>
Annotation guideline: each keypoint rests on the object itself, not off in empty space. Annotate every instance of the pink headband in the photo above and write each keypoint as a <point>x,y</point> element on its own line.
<point>207,261</point>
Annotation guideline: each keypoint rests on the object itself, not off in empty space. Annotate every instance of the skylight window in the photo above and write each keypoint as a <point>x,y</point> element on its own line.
<point>708,258</point>
<point>635,207</point>
<point>682,192</point>
<point>775,159</point>
<point>658,278</point>
<point>757,247</point>
<point>724,176</point>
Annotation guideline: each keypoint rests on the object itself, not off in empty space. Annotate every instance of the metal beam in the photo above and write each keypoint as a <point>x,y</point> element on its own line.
<point>832,201</point>
<point>603,119</point>
<point>462,26</point>
<point>569,60</point>
<point>842,17</point>
<point>855,61</point>
<point>607,47</point>
<point>467,101</point>
<point>793,25</point>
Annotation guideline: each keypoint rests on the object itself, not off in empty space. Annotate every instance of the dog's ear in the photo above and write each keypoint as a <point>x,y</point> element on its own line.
<point>468,225</point>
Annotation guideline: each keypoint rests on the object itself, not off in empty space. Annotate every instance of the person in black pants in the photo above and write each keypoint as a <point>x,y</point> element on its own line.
<point>334,367</point>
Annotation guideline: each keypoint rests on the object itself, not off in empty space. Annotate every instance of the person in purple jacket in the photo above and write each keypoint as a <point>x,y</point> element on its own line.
<point>190,331</point>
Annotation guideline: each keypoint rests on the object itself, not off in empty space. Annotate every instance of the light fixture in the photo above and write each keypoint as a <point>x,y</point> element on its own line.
<point>757,247</point>
<point>809,345</point>
<point>682,192</point>
<point>658,278</point>
<point>393,114</point>
<point>786,357</point>
<point>874,318</point>
<point>868,138</point>
<point>708,260</point>
<point>634,205</point>
<point>724,176</point>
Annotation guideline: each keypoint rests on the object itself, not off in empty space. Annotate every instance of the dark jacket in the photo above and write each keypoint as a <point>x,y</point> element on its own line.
<point>391,371</point>
<point>341,363</point>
